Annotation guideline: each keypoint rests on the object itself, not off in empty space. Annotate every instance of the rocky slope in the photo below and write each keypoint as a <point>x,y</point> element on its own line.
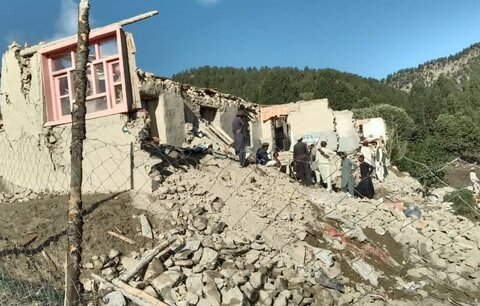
<point>456,67</point>
<point>254,237</point>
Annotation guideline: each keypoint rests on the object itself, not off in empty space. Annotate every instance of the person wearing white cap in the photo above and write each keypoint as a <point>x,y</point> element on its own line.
<point>474,179</point>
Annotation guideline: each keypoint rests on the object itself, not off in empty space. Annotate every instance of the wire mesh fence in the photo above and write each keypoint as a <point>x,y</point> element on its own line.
<point>35,182</point>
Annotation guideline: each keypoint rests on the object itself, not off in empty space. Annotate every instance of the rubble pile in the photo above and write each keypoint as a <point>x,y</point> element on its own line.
<point>254,237</point>
<point>19,195</point>
<point>196,96</point>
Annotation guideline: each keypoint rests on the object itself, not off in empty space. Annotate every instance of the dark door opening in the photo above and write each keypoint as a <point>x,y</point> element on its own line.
<point>248,141</point>
<point>208,113</point>
<point>281,133</point>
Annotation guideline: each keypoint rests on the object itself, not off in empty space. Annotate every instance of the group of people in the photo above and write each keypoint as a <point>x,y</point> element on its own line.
<point>375,155</point>
<point>314,164</point>
<point>262,157</point>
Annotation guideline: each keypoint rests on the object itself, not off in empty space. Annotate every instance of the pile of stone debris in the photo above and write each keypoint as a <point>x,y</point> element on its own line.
<point>253,237</point>
<point>17,196</point>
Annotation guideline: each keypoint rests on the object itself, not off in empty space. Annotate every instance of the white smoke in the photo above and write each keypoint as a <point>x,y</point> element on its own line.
<point>66,23</point>
<point>208,2</point>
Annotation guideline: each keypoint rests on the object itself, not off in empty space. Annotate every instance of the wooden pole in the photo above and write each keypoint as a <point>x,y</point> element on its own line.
<point>75,213</point>
<point>33,49</point>
<point>132,166</point>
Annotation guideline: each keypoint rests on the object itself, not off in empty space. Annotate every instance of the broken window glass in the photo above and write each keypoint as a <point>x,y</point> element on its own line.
<point>89,81</point>
<point>117,75</point>
<point>62,62</point>
<point>96,105</point>
<point>118,94</point>
<point>65,102</point>
<point>63,86</point>
<point>100,78</point>
<point>108,48</point>
<point>92,54</point>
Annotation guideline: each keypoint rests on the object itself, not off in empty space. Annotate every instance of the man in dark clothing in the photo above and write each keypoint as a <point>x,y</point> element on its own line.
<point>262,154</point>
<point>301,158</point>
<point>365,186</point>
<point>263,158</point>
<point>238,130</point>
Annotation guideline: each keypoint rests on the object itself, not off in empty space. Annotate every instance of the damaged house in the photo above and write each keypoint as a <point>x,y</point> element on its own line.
<point>126,106</point>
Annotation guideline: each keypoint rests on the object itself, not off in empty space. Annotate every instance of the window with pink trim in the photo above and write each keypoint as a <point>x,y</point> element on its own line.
<point>106,87</point>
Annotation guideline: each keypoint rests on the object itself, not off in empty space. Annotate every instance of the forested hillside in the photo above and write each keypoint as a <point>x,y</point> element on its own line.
<point>280,85</point>
<point>456,67</point>
<point>431,123</point>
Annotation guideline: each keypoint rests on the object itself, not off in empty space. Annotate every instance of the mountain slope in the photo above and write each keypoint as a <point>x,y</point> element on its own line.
<point>457,67</point>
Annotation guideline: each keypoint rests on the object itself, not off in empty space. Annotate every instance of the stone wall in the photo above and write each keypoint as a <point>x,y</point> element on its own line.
<point>38,158</point>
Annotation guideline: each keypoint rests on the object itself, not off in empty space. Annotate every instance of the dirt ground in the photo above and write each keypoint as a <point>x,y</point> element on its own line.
<point>458,175</point>
<point>31,230</point>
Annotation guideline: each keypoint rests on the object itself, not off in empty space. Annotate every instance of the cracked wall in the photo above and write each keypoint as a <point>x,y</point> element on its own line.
<point>38,158</point>
<point>173,105</point>
<point>314,120</point>
<point>22,93</point>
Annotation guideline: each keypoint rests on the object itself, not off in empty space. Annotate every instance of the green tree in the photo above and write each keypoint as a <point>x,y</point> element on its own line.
<point>277,88</point>
<point>457,133</point>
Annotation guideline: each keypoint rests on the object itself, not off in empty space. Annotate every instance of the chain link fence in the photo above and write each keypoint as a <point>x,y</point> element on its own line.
<point>34,186</point>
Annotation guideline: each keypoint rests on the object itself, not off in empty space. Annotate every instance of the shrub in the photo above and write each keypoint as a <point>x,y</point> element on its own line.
<point>463,204</point>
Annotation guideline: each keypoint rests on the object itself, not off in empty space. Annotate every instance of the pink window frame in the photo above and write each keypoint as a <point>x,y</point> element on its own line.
<point>52,101</point>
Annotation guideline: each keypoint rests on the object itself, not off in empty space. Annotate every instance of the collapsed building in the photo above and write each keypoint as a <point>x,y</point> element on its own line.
<point>314,248</point>
<point>126,106</point>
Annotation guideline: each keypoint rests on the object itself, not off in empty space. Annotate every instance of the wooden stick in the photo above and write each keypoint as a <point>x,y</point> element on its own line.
<point>33,49</point>
<point>223,133</point>
<point>128,240</point>
<point>136,295</point>
<point>127,275</point>
<point>50,262</point>
<point>137,18</point>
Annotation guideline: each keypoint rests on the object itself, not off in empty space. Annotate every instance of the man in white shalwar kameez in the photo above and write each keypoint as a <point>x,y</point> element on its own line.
<point>322,159</point>
<point>474,179</point>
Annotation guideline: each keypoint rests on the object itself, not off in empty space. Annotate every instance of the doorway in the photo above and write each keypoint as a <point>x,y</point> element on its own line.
<point>281,133</point>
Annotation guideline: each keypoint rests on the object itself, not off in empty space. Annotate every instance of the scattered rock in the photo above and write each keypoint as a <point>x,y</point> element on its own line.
<point>115,298</point>
<point>209,258</point>
<point>146,227</point>
<point>211,293</point>
<point>166,280</point>
<point>155,268</point>
<point>234,297</point>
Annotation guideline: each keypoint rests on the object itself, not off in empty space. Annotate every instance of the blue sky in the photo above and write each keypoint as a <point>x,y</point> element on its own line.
<point>372,38</point>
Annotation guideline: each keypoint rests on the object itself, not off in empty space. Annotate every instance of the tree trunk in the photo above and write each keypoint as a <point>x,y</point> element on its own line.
<point>75,218</point>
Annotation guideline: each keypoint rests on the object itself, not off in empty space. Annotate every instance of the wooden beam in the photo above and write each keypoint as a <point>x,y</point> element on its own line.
<point>127,275</point>
<point>33,49</point>
<point>128,240</point>
<point>137,18</point>
<point>136,295</point>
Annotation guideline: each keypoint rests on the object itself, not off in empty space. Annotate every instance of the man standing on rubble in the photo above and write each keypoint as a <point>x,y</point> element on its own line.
<point>474,179</point>
<point>322,159</point>
<point>238,130</point>
<point>348,182</point>
<point>302,162</point>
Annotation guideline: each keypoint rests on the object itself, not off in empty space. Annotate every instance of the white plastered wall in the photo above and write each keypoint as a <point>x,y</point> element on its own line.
<point>37,158</point>
<point>348,139</point>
